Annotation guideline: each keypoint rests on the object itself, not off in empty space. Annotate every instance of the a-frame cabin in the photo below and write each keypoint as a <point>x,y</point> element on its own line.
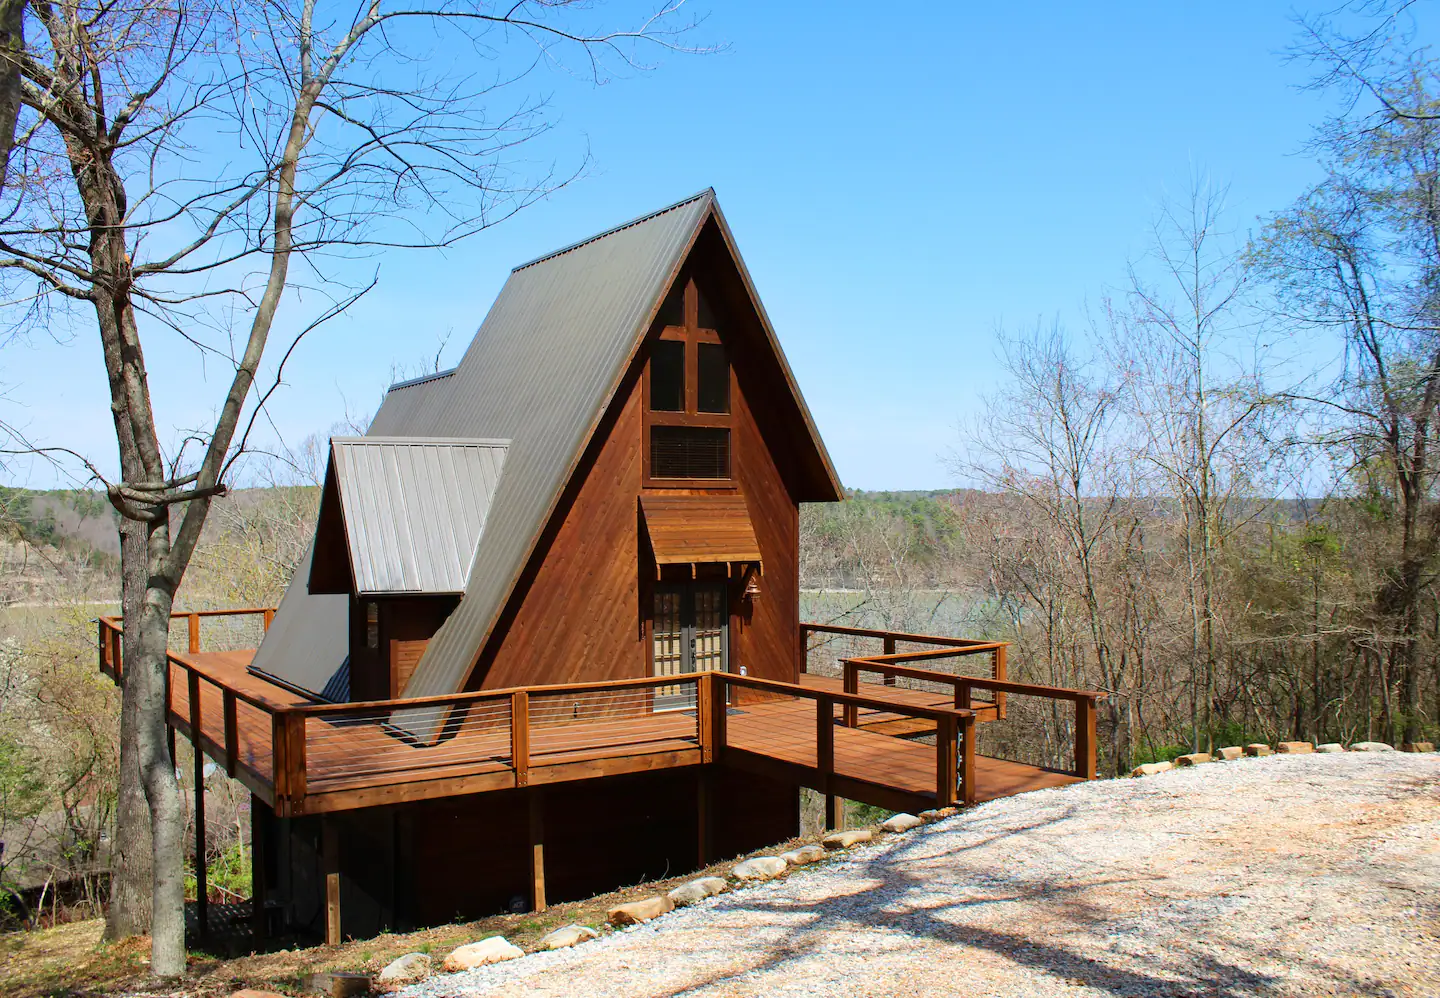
<point>606,487</point>
<point>547,638</point>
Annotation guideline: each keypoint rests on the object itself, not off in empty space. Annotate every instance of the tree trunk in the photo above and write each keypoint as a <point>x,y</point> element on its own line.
<point>128,913</point>
<point>162,789</point>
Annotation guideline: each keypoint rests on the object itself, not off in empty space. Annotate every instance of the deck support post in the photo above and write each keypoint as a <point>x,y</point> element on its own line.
<point>537,849</point>
<point>1085,738</point>
<point>259,926</point>
<point>889,678</point>
<point>197,755</point>
<point>834,813</point>
<point>330,850</point>
<point>702,818</point>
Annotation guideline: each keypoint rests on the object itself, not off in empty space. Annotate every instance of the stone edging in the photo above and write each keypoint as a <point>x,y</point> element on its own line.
<point>414,967</point>
<point>1255,751</point>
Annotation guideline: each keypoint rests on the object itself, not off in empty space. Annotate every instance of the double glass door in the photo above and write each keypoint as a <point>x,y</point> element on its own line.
<point>689,631</point>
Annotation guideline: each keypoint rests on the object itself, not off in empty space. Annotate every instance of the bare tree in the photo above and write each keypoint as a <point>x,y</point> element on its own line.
<point>174,162</point>
<point>1199,401</point>
<point>1360,255</point>
<point>1050,438</point>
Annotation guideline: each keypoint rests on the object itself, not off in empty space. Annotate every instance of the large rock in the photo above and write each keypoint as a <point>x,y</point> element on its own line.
<point>1152,768</point>
<point>403,969</point>
<point>568,936</point>
<point>1330,747</point>
<point>939,813</point>
<point>844,840</point>
<point>1258,749</point>
<point>1193,759</point>
<point>486,951</point>
<point>1372,747</point>
<point>1418,747</point>
<point>339,984</point>
<point>901,823</point>
<point>639,911</point>
<point>697,890</point>
<point>804,856</point>
<point>1229,753</point>
<point>1294,748</point>
<point>759,868</point>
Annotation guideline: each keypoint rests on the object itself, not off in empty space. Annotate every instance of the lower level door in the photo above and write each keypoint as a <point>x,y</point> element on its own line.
<point>689,634</point>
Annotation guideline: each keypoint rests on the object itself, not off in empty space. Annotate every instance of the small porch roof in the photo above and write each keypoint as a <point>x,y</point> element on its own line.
<point>700,529</point>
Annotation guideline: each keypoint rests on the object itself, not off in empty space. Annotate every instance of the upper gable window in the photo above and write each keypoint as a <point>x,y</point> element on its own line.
<point>688,433</point>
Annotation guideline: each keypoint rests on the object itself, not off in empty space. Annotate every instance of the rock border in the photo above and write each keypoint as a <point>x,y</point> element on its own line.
<point>1231,753</point>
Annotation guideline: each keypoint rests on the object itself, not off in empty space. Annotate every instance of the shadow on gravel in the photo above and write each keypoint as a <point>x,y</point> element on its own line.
<point>911,901</point>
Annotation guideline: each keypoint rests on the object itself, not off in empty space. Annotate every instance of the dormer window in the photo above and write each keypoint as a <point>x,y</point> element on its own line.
<point>688,393</point>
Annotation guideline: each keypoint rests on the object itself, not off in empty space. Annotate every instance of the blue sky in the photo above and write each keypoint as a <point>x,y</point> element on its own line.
<point>900,187</point>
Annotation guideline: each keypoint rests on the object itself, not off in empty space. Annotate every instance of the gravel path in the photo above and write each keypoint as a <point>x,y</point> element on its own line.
<point>1301,875</point>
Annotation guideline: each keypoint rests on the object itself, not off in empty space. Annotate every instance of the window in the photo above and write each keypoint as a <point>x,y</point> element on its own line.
<point>712,378</point>
<point>667,376</point>
<point>689,452</point>
<point>688,391</point>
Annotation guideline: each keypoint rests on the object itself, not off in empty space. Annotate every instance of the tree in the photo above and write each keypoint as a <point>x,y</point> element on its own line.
<point>1360,254</point>
<point>1198,403</point>
<point>175,159</point>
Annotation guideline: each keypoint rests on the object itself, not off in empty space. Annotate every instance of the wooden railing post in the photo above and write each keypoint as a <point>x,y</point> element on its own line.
<point>825,739</point>
<point>967,758</point>
<point>803,651</point>
<point>520,737</point>
<point>269,617</point>
<point>287,738</point>
<point>999,669</point>
<point>202,886</point>
<point>945,735</point>
<point>1085,738</point>
<point>103,645</point>
<point>851,686</point>
<point>705,716</point>
<point>889,679</point>
<point>720,708</point>
<point>232,733</point>
<point>962,695</point>
<point>194,621</point>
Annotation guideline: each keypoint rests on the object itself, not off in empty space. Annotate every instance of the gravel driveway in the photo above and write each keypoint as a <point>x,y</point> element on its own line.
<point>1298,875</point>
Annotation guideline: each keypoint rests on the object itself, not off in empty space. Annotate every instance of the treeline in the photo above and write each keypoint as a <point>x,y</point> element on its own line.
<point>1139,526</point>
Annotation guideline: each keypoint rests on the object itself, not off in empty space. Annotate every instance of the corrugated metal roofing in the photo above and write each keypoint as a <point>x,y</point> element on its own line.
<point>415,508</point>
<point>308,642</point>
<point>540,372</point>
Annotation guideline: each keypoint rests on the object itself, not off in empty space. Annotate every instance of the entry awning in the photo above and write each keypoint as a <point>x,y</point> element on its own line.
<point>698,530</point>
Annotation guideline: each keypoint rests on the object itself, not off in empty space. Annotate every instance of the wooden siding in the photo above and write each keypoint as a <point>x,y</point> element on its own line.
<point>580,611</point>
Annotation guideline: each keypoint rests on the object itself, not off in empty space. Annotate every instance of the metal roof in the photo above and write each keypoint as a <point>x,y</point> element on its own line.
<point>414,508</point>
<point>540,372</point>
<point>308,642</point>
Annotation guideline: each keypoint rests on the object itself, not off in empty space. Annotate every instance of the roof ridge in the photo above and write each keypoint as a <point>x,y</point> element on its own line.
<point>707,192</point>
<point>412,382</point>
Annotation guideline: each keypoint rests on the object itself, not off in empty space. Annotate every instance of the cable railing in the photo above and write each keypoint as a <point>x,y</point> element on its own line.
<point>306,756</point>
<point>828,646</point>
<point>963,689</point>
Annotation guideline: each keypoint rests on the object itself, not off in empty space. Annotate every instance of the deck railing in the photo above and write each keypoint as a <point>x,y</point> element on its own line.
<point>896,666</point>
<point>363,751</point>
<point>993,653</point>
<point>954,740</point>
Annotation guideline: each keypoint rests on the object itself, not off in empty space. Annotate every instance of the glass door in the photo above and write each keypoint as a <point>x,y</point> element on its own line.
<point>689,633</point>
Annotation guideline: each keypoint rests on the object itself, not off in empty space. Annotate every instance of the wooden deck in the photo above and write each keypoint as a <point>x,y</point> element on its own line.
<point>844,737</point>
